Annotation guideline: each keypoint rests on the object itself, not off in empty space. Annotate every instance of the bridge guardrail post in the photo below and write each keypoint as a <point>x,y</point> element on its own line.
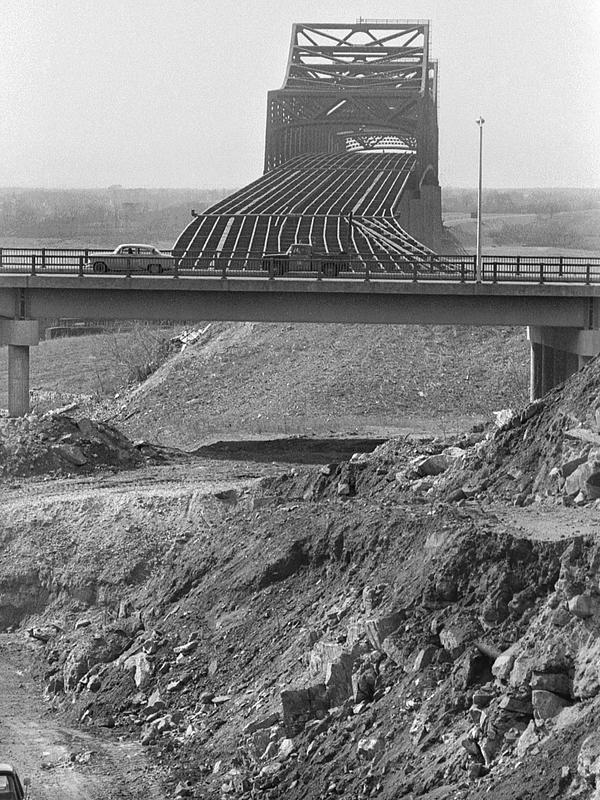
<point>367,271</point>
<point>224,270</point>
<point>271,276</point>
<point>33,264</point>
<point>81,266</point>
<point>1,256</point>
<point>176,268</point>
<point>541,271</point>
<point>128,267</point>
<point>43,258</point>
<point>495,272</point>
<point>518,265</point>
<point>319,270</point>
<point>588,273</point>
<point>462,271</point>
<point>560,266</point>
<point>415,276</point>
<point>474,262</point>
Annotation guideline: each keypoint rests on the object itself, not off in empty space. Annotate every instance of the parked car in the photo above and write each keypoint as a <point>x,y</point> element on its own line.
<point>301,258</point>
<point>11,787</point>
<point>131,258</point>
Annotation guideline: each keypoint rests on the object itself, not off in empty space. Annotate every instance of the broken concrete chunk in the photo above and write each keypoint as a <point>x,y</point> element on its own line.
<point>583,435</point>
<point>517,704</point>
<point>141,667</point>
<point>556,682</point>
<point>583,606</point>
<point>370,748</point>
<point>528,739</point>
<point>379,629</point>
<point>424,658</point>
<point>392,647</point>
<point>588,760</point>
<point>567,468</point>
<point>454,639</point>
<point>71,453</point>
<point>502,666</point>
<point>431,465</point>
<point>262,723</point>
<point>547,705</point>
<point>301,705</point>
<point>286,748</point>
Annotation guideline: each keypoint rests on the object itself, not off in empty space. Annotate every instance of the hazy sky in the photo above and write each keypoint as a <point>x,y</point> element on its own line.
<point>173,92</point>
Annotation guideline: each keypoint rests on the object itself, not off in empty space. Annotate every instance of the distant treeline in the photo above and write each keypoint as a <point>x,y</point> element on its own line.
<point>161,214</point>
<point>521,201</point>
<point>138,213</point>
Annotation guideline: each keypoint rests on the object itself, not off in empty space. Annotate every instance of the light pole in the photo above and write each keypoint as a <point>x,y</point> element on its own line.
<point>478,269</point>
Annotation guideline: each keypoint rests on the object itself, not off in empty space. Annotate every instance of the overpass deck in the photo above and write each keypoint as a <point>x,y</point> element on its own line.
<point>300,299</point>
<point>558,299</point>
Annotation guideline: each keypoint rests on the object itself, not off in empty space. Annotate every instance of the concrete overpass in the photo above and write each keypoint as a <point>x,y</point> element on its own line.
<point>563,318</point>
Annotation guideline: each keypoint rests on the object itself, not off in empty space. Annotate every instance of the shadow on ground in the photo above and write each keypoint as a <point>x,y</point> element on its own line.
<point>295,450</point>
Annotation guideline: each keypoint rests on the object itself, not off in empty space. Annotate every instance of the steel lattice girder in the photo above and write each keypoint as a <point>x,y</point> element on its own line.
<point>355,86</point>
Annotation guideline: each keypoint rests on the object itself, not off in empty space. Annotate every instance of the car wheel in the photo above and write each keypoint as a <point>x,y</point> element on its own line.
<point>100,266</point>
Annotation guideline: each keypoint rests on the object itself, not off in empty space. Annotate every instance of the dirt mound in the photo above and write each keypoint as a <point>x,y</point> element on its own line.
<point>253,379</point>
<point>58,444</point>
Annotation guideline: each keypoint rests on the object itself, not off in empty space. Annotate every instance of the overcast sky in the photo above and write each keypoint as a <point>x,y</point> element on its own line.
<point>173,92</point>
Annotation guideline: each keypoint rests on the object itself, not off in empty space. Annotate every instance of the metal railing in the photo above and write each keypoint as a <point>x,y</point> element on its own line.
<point>416,267</point>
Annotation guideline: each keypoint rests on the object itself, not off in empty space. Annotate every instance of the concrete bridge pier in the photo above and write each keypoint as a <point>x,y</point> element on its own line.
<point>19,335</point>
<point>556,353</point>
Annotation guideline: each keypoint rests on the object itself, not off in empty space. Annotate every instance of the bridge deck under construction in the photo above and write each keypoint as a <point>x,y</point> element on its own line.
<point>336,202</point>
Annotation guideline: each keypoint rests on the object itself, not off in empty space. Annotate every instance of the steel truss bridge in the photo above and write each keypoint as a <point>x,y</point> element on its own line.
<point>351,153</point>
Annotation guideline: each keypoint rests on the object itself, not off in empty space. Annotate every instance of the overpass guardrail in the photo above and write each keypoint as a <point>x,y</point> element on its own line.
<point>461,268</point>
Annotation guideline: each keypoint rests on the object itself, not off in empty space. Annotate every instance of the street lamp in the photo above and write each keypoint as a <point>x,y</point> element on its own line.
<point>478,266</point>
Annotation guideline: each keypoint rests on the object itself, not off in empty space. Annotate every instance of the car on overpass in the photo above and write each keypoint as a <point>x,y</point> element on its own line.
<point>301,258</point>
<point>11,787</point>
<point>131,258</point>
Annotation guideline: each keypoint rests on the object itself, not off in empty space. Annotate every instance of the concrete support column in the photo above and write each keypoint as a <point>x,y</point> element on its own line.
<point>547,368</point>
<point>556,353</point>
<point>19,335</point>
<point>535,371</point>
<point>18,380</point>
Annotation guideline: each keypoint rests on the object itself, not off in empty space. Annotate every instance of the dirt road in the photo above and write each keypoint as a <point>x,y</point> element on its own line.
<point>62,762</point>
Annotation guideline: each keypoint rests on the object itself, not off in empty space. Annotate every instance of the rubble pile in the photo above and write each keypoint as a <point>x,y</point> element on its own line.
<point>352,651</point>
<point>548,453</point>
<point>58,444</point>
<point>373,628</point>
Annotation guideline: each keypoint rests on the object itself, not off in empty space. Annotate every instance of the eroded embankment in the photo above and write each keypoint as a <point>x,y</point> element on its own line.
<point>330,633</point>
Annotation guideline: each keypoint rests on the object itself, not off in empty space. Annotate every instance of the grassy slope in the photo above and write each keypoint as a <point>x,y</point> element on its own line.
<point>246,378</point>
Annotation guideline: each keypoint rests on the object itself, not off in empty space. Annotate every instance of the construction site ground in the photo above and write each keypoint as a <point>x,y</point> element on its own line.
<point>262,615</point>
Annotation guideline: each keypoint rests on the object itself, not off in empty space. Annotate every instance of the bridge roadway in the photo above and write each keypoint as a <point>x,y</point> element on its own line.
<point>563,317</point>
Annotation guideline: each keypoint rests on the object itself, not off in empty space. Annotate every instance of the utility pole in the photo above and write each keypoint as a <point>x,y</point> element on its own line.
<point>478,265</point>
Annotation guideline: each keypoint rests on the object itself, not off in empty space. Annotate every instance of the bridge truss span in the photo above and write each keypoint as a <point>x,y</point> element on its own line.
<point>350,154</point>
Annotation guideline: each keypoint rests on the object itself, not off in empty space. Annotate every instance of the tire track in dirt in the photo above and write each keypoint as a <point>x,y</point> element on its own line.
<point>32,738</point>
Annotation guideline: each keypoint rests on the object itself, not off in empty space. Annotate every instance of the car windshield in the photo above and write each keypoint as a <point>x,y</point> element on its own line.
<point>7,788</point>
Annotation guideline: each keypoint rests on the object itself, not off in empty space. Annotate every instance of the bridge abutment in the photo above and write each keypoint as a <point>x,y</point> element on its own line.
<point>19,335</point>
<point>556,353</point>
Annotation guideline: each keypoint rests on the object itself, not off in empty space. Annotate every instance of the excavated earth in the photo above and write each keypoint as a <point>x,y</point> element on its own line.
<point>419,621</point>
